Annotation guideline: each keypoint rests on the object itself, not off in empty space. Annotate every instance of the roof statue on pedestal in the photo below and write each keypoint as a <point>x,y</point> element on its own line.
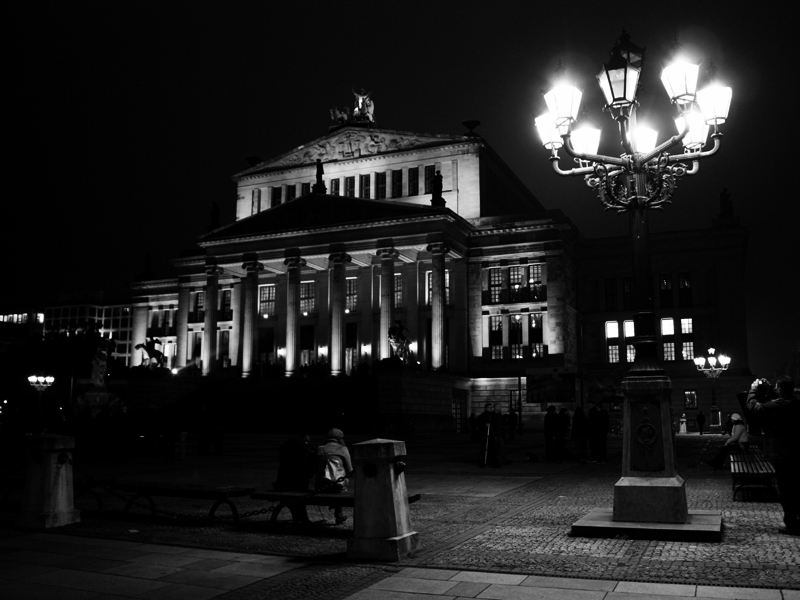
<point>363,111</point>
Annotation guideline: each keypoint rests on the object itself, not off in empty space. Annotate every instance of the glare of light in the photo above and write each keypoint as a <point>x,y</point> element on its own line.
<point>305,313</point>
<point>347,311</point>
<point>174,371</point>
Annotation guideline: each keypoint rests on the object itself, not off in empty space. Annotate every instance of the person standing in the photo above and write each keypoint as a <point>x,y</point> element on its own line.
<point>701,421</point>
<point>683,424</point>
<point>779,418</point>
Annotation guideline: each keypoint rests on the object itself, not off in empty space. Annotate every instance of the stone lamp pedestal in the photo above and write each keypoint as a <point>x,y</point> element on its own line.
<point>48,500</point>
<point>382,525</point>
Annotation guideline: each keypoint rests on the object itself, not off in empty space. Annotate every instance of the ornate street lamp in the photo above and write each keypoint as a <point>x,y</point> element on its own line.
<point>712,367</point>
<point>643,177</point>
<point>40,383</point>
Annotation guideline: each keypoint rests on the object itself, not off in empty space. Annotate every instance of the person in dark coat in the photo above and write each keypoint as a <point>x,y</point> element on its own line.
<point>779,418</point>
<point>701,421</point>
<point>599,423</point>
<point>580,433</point>
<point>297,464</point>
<point>550,433</point>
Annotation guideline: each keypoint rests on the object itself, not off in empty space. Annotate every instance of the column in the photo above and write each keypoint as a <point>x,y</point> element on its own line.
<point>209,355</point>
<point>337,263</point>
<point>182,326</point>
<point>236,318</point>
<point>438,252</point>
<point>294,264</point>
<point>250,329</point>
<point>387,255</point>
<point>139,333</point>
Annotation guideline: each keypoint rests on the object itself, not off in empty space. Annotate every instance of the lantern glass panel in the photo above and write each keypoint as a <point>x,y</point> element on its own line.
<point>548,132</point>
<point>715,102</point>
<point>698,129</point>
<point>586,140</point>
<point>563,102</point>
<point>619,85</point>
<point>680,81</point>
<point>644,139</point>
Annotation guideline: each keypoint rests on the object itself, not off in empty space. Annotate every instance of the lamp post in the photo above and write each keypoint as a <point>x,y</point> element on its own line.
<point>40,383</point>
<point>642,178</point>
<point>712,367</point>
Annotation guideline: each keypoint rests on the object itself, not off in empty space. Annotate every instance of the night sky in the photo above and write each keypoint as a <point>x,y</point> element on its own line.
<point>129,119</point>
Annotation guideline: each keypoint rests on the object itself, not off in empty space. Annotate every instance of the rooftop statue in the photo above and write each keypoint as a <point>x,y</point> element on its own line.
<point>154,357</point>
<point>365,107</point>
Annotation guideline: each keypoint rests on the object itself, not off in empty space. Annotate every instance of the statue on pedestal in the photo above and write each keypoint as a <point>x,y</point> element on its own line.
<point>399,342</point>
<point>154,357</point>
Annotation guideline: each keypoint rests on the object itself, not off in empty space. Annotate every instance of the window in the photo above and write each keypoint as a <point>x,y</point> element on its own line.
<point>535,282</point>
<point>291,192</point>
<point>628,329</point>
<point>380,185</point>
<point>627,293</point>
<point>496,337</point>
<point>266,300</point>
<point>413,181</point>
<point>397,184</point>
<point>631,353</point>
<point>613,354</point>
<point>305,189</point>
<point>350,186</point>
<point>429,286</point>
<point>495,285</point>
<point>669,350</point>
<point>685,289</point>
<point>430,171</point>
<point>611,293</point>
<point>306,297</point>
<point>515,283</point>
<point>224,343</point>
<point>255,202</point>
<point>200,302</point>
<point>686,326</point>
<point>276,196</point>
<point>398,290</point>
<point>515,336</point>
<point>688,351</point>
<point>225,305</point>
<point>335,187</point>
<point>667,327</point>
<point>351,298</point>
<point>665,283</point>
<point>364,182</point>
<point>612,330</point>
<point>690,399</point>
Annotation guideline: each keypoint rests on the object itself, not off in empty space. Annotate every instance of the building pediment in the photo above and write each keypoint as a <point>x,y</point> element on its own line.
<point>350,143</point>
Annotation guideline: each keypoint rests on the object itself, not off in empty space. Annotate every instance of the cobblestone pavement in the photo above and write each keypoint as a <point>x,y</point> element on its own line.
<point>524,529</point>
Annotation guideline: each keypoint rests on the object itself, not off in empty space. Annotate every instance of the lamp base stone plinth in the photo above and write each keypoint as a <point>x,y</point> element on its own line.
<point>384,549</point>
<point>700,526</point>
<point>650,499</point>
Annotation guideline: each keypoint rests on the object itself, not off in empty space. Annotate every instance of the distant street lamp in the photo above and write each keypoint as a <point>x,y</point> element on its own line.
<point>712,367</point>
<point>643,177</point>
<point>40,383</point>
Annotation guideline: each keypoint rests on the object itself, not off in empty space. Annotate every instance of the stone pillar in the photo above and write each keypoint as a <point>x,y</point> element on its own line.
<point>209,355</point>
<point>48,500</point>
<point>182,326</point>
<point>294,264</point>
<point>250,329</point>
<point>387,255</point>
<point>139,333</point>
<point>438,251</point>
<point>382,524</point>
<point>337,262</point>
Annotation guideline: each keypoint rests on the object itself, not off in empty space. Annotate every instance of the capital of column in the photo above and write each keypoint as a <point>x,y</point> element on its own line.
<point>388,253</point>
<point>252,266</point>
<point>438,248</point>
<point>213,270</point>
<point>339,258</point>
<point>294,262</point>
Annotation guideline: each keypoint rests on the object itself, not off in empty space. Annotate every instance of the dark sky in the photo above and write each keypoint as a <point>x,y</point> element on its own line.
<point>129,119</point>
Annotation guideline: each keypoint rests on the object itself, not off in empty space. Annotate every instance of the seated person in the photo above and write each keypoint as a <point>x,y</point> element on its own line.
<point>333,469</point>
<point>739,438</point>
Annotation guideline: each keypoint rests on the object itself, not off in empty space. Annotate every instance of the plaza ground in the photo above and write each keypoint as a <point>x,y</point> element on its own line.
<point>484,533</point>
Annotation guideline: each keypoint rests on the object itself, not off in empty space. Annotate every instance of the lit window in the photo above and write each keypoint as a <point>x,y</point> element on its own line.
<point>496,336</point>
<point>631,353</point>
<point>350,186</point>
<point>351,300</point>
<point>335,187</point>
<point>613,354</point>
<point>495,285</point>
<point>535,282</point>
<point>515,283</point>
<point>612,330</point>
<point>690,399</point>
<point>686,326</point>
<point>398,290</point>
<point>266,299</point>
<point>669,351</point>
<point>429,287</point>
<point>306,296</point>
<point>628,328</point>
<point>515,336</point>
<point>688,350</point>
<point>667,327</point>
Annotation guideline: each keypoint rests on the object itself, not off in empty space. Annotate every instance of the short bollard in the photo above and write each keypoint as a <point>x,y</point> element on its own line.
<point>48,500</point>
<point>382,525</point>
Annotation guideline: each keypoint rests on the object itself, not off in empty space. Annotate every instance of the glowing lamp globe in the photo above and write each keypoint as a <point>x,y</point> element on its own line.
<point>548,132</point>
<point>563,102</point>
<point>715,102</point>
<point>644,139</point>
<point>698,129</point>
<point>586,140</point>
<point>680,81</point>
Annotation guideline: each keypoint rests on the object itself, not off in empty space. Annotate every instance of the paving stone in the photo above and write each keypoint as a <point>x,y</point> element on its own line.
<point>475,577</point>
<point>165,560</point>
<point>143,571</point>
<point>442,574</point>
<point>465,589</point>
<point>707,591</point>
<point>256,569</point>
<point>519,592</point>
<point>413,585</point>
<point>373,594</point>
<point>664,589</point>
<point>222,581</point>
<point>96,582</point>
<point>180,591</point>
<point>569,583</point>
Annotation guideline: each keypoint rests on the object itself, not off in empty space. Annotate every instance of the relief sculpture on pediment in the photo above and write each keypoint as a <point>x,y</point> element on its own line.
<point>350,144</point>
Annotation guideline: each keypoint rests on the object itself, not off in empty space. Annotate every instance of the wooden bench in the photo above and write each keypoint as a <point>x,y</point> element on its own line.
<point>284,499</point>
<point>220,494</point>
<point>750,469</point>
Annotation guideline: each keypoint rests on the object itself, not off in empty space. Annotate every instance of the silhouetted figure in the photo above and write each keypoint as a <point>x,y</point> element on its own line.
<point>333,468</point>
<point>701,421</point>
<point>319,185</point>
<point>550,434</point>
<point>599,422</point>
<point>297,464</point>
<point>580,433</point>
<point>436,190</point>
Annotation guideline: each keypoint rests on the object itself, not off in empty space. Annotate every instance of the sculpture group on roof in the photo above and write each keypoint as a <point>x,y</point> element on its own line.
<point>363,111</point>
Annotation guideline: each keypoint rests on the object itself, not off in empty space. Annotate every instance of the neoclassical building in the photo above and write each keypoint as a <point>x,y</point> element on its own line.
<point>434,231</point>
